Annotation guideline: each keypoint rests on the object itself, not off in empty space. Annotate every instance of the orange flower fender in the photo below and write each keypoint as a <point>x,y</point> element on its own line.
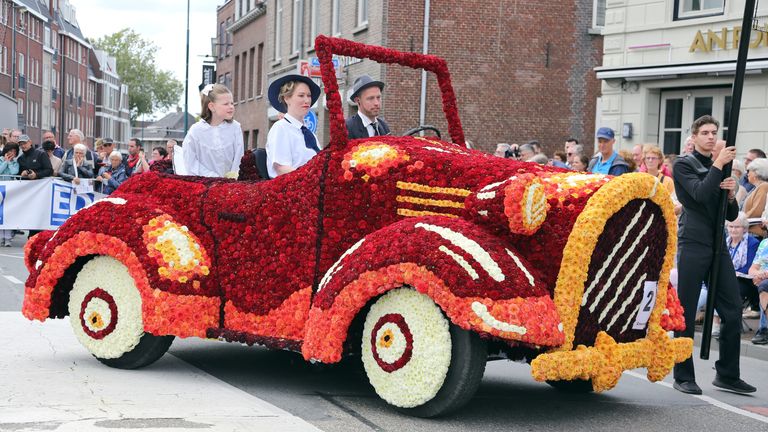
<point>478,280</point>
<point>163,312</point>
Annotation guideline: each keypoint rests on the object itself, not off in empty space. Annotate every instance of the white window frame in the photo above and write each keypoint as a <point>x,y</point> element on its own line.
<point>278,27</point>
<point>20,64</point>
<point>598,14</point>
<point>335,18</point>
<point>362,13</point>
<point>297,25</point>
<point>681,13</point>
<point>313,29</point>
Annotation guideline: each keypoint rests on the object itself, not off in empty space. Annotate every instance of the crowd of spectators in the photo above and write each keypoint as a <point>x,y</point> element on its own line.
<point>21,159</point>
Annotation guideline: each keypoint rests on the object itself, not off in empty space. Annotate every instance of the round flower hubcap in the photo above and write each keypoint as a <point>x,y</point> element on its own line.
<point>105,308</point>
<point>407,348</point>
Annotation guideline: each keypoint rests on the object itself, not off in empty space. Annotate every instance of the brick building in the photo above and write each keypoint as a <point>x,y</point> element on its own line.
<point>521,72</point>
<point>241,41</point>
<point>50,82</point>
<point>112,115</point>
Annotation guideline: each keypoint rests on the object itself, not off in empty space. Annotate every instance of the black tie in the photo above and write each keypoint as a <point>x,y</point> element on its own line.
<point>375,126</point>
<point>309,139</point>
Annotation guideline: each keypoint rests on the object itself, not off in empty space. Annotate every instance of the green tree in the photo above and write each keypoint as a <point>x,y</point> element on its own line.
<point>149,89</point>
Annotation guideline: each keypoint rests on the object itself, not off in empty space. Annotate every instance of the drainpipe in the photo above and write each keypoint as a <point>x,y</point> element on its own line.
<point>424,50</point>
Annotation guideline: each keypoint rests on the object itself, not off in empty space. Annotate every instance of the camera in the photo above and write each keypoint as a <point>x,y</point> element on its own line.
<point>513,152</point>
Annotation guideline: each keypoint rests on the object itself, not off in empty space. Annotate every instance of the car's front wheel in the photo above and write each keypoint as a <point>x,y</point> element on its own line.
<point>105,314</point>
<point>415,359</point>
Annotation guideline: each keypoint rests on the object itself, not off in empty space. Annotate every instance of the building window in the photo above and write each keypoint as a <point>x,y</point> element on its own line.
<point>252,72</point>
<point>259,72</point>
<point>278,27</point>
<point>335,18</point>
<point>362,12</point>
<point>598,14</point>
<point>697,8</point>
<point>243,75</point>
<point>229,37</point>
<point>313,30</point>
<point>20,64</point>
<point>234,90</point>
<point>298,15</point>
<point>221,40</point>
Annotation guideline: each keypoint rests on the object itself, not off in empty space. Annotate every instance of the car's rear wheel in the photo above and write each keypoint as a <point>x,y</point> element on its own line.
<point>105,314</point>
<point>415,359</point>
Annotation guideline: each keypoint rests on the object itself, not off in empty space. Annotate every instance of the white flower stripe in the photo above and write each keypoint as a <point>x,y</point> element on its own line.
<point>111,276</point>
<point>607,262</point>
<point>520,265</point>
<point>486,195</point>
<point>619,292</point>
<point>461,261</point>
<point>336,266</point>
<point>469,246</point>
<point>419,380</point>
<point>482,312</point>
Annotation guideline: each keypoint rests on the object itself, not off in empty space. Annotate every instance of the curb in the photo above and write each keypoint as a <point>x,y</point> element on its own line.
<point>748,349</point>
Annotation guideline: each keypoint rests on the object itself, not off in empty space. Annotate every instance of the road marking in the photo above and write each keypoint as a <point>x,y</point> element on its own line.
<point>13,279</point>
<point>710,400</point>
<point>12,256</point>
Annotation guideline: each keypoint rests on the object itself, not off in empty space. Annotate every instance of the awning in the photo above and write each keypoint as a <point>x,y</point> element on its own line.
<point>672,71</point>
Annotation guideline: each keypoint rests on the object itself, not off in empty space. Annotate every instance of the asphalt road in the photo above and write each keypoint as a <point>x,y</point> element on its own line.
<point>338,397</point>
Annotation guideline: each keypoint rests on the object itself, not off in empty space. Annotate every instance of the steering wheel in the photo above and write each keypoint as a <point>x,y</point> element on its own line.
<point>423,128</point>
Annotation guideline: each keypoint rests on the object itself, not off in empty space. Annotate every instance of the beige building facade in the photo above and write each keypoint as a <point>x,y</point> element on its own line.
<point>667,62</point>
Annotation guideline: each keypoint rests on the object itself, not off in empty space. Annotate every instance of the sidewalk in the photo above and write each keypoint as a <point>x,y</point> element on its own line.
<point>49,382</point>
<point>748,349</point>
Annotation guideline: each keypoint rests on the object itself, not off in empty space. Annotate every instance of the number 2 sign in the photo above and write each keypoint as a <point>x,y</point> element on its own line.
<point>646,305</point>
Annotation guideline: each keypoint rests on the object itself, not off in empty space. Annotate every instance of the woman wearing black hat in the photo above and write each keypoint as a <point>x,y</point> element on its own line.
<point>289,143</point>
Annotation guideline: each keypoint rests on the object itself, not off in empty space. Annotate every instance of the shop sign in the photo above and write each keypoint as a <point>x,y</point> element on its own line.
<point>725,39</point>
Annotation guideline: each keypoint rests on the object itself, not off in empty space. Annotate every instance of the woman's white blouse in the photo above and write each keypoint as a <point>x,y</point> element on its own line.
<point>212,151</point>
<point>285,145</point>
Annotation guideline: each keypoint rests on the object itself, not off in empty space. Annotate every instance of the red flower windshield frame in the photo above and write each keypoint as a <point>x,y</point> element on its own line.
<point>326,47</point>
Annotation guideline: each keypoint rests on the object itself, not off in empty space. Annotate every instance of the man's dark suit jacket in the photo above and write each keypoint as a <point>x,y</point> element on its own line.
<point>355,128</point>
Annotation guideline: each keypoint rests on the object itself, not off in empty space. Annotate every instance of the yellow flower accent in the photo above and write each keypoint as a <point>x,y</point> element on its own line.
<point>416,187</point>
<point>385,341</point>
<point>604,362</point>
<point>95,321</point>
<point>418,213</point>
<point>430,202</point>
<point>178,252</point>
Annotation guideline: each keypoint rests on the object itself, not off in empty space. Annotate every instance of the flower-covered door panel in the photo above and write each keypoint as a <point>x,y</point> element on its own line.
<point>266,236</point>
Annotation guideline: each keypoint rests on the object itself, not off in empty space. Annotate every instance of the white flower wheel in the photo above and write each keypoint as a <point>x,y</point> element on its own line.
<point>416,359</point>
<point>105,314</point>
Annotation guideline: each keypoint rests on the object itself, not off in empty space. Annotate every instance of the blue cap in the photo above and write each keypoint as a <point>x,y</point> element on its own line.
<point>605,132</point>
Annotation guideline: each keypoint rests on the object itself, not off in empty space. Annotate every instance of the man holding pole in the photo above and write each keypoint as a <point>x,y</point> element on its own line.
<point>698,181</point>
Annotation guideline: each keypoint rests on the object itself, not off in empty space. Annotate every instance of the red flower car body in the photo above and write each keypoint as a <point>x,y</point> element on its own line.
<point>390,247</point>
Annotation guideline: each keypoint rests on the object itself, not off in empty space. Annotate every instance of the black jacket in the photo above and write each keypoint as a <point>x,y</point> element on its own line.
<point>355,128</point>
<point>697,186</point>
<point>36,160</point>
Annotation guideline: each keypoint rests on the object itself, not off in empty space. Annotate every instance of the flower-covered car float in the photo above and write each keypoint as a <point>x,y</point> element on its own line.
<point>421,256</point>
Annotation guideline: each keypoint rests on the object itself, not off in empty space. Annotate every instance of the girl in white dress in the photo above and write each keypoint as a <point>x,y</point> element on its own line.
<point>213,146</point>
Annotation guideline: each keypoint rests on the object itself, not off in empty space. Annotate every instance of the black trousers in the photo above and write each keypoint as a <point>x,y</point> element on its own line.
<point>693,265</point>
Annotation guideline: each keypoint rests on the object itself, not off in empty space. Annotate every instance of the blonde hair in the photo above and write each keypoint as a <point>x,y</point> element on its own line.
<point>215,91</point>
<point>286,90</point>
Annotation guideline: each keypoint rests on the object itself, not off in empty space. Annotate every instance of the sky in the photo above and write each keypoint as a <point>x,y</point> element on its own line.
<point>163,22</point>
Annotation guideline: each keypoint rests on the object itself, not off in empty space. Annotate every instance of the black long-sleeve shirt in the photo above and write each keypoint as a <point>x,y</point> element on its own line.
<point>699,193</point>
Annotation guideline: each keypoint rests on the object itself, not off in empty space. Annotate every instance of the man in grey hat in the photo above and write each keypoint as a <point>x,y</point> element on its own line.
<point>366,93</point>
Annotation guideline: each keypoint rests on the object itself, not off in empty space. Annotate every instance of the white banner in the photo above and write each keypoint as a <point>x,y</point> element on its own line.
<point>40,204</point>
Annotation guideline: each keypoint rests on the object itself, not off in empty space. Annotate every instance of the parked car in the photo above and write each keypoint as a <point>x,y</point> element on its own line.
<point>419,255</point>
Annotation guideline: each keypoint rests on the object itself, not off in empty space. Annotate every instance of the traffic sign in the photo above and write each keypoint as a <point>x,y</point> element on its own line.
<point>310,121</point>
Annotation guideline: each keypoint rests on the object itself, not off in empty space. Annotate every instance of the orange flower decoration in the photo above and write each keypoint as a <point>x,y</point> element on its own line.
<point>178,252</point>
<point>372,158</point>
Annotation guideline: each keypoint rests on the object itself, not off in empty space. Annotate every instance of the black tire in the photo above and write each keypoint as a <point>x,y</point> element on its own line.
<point>148,351</point>
<point>576,386</point>
<point>469,355</point>
<point>408,343</point>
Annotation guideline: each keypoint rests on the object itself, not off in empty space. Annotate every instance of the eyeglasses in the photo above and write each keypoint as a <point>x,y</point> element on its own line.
<point>651,158</point>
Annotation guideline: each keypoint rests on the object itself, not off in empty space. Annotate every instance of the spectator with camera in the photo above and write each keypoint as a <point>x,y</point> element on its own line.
<point>33,163</point>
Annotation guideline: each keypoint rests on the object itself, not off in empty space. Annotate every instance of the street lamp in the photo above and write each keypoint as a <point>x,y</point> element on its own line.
<point>22,9</point>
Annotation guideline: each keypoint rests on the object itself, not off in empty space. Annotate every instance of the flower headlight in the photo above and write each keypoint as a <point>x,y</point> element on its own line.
<point>178,252</point>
